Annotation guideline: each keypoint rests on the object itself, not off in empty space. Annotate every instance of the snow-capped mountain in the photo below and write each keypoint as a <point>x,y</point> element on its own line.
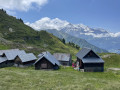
<point>96,36</point>
<point>80,29</point>
<point>47,23</point>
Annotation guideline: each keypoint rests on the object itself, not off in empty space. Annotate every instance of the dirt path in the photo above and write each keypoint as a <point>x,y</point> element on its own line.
<point>107,56</point>
<point>115,69</point>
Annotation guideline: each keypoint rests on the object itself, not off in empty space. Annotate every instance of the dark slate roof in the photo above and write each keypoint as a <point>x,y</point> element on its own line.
<point>83,52</point>
<point>49,57</point>
<point>3,59</point>
<point>27,57</point>
<point>62,56</point>
<point>3,51</point>
<point>40,55</point>
<point>12,54</point>
<point>92,60</point>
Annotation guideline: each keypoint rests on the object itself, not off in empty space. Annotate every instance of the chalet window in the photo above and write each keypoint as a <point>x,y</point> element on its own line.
<point>44,65</point>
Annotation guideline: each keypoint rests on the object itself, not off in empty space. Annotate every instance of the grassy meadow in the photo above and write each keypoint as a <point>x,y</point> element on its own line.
<point>66,78</point>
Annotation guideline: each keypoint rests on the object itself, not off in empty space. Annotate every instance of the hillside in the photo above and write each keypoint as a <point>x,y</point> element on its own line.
<point>18,35</point>
<point>81,42</point>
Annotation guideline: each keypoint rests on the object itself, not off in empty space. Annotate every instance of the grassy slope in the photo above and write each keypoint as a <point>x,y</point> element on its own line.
<point>112,61</point>
<point>63,79</point>
<point>22,36</point>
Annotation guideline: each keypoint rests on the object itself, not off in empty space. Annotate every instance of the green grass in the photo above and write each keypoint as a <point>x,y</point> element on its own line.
<point>112,61</point>
<point>64,79</point>
<point>4,47</point>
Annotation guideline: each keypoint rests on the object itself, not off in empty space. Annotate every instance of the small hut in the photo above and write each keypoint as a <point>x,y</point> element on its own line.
<point>16,57</point>
<point>65,59</point>
<point>10,56</point>
<point>89,61</point>
<point>46,61</point>
<point>22,60</point>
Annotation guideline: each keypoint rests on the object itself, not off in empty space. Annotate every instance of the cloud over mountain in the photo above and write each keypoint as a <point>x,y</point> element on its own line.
<point>103,35</point>
<point>47,23</point>
<point>21,5</point>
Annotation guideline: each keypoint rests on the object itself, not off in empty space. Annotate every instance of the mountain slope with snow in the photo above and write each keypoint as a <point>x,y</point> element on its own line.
<point>96,36</point>
<point>81,42</point>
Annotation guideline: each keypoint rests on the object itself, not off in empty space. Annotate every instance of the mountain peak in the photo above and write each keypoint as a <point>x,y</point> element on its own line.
<point>62,25</point>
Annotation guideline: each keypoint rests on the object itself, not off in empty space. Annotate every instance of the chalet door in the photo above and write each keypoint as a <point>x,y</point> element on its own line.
<point>44,65</point>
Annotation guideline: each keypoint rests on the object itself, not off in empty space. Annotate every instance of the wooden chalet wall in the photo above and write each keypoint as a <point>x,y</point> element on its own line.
<point>29,63</point>
<point>63,58</point>
<point>91,54</point>
<point>64,63</point>
<point>70,61</point>
<point>94,67</point>
<point>7,64</point>
<point>44,64</point>
<point>3,64</point>
<point>81,64</point>
<point>18,62</point>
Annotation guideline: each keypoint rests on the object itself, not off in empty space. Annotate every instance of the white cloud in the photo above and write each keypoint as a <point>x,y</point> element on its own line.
<point>47,23</point>
<point>103,35</point>
<point>115,34</point>
<point>21,5</point>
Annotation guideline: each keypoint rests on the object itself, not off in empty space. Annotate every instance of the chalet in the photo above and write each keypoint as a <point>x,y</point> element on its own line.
<point>89,61</point>
<point>46,61</point>
<point>10,55</point>
<point>16,57</point>
<point>7,57</point>
<point>22,60</point>
<point>63,58</point>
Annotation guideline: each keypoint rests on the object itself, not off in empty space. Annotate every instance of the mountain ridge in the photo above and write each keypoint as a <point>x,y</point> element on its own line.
<point>96,36</point>
<point>81,42</point>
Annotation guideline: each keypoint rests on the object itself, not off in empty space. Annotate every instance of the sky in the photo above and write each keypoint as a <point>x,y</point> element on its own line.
<point>93,13</point>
